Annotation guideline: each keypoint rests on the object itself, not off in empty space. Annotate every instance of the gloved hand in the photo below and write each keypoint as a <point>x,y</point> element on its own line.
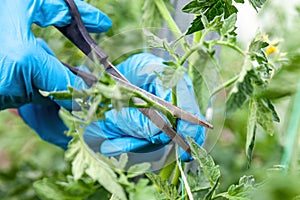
<point>127,130</point>
<point>25,66</point>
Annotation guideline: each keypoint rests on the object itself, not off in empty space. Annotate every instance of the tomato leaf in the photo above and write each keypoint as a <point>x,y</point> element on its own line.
<point>210,169</point>
<point>121,163</point>
<point>198,72</point>
<point>171,74</point>
<point>207,11</point>
<point>256,4</point>
<point>266,114</point>
<point>50,189</point>
<point>229,9</point>
<point>142,191</point>
<point>151,16</point>
<point>242,91</point>
<point>198,181</point>
<point>255,74</point>
<point>84,161</point>
<point>196,25</point>
<point>251,130</point>
<point>138,169</point>
<point>197,6</point>
<point>169,190</point>
<point>241,190</point>
<point>229,25</point>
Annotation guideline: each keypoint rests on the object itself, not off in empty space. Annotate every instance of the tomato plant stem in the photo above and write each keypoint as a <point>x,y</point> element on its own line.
<point>225,85</point>
<point>183,177</point>
<point>292,133</point>
<point>176,176</point>
<point>171,23</point>
<point>232,46</point>
<point>168,18</point>
<point>166,172</point>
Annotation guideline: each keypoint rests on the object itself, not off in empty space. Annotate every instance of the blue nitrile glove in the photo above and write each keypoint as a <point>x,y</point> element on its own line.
<point>127,130</point>
<point>25,66</point>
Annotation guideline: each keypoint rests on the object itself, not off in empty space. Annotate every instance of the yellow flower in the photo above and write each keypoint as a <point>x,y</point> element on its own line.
<point>271,49</point>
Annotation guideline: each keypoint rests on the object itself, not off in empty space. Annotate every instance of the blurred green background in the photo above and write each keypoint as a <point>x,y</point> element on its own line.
<point>24,157</point>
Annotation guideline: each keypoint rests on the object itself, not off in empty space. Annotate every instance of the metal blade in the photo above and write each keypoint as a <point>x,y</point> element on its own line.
<point>176,111</point>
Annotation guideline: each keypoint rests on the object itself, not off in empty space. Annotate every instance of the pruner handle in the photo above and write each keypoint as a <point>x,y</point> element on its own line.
<point>77,34</point>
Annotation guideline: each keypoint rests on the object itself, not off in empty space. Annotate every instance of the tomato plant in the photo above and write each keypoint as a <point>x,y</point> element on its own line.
<point>247,81</point>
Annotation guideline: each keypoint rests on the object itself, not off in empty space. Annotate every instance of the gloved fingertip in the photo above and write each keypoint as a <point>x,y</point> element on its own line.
<point>94,20</point>
<point>160,139</point>
<point>103,24</point>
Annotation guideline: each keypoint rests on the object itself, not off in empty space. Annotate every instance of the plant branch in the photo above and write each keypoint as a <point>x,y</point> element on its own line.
<point>292,133</point>
<point>153,104</point>
<point>189,53</point>
<point>232,46</point>
<point>186,184</point>
<point>176,176</point>
<point>225,85</point>
<point>168,18</point>
<point>198,38</point>
<point>171,22</point>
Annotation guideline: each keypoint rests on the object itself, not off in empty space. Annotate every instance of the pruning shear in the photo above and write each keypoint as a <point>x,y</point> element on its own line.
<point>77,34</point>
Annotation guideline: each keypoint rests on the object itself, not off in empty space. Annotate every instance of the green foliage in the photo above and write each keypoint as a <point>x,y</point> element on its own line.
<point>151,15</point>
<point>208,10</point>
<point>255,73</point>
<point>169,191</point>
<point>288,74</point>
<point>257,3</point>
<point>52,189</point>
<point>205,182</point>
<point>84,163</point>
<point>241,190</point>
<point>229,25</point>
<point>196,72</point>
<point>206,162</point>
<point>242,91</point>
<point>172,74</point>
<point>256,86</point>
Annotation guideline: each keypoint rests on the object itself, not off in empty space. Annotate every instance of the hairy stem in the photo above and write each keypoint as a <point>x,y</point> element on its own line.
<point>168,18</point>
<point>176,176</point>
<point>232,46</point>
<point>225,85</point>
<point>292,133</point>
<point>171,23</point>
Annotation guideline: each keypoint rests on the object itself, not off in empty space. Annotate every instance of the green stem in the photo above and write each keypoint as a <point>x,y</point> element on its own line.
<point>292,132</point>
<point>176,176</point>
<point>168,168</point>
<point>198,46</point>
<point>189,53</point>
<point>153,104</point>
<point>168,18</point>
<point>166,172</point>
<point>171,22</point>
<point>221,195</point>
<point>197,36</point>
<point>232,46</point>
<point>225,85</point>
<point>174,95</point>
<point>202,38</point>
